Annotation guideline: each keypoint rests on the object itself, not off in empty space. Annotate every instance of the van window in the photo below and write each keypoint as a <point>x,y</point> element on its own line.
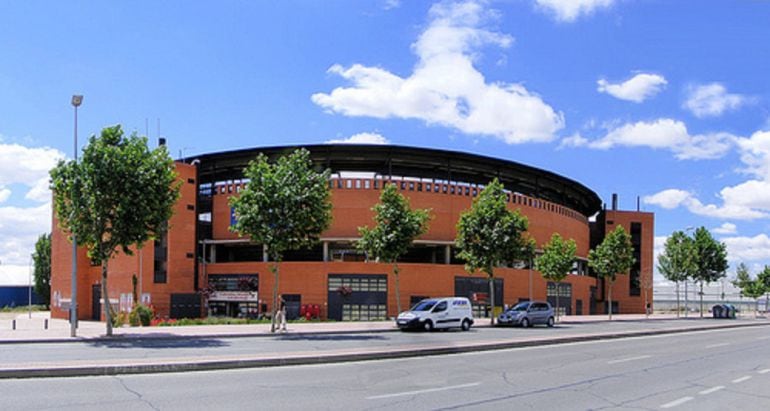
<point>440,307</point>
<point>424,305</point>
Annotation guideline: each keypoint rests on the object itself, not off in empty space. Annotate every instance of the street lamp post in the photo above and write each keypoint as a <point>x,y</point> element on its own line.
<point>76,101</point>
<point>29,292</point>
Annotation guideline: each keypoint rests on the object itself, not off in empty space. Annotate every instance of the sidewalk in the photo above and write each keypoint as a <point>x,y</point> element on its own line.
<point>33,330</point>
<point>573,329</point>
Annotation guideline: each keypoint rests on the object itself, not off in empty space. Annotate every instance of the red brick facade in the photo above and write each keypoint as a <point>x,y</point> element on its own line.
<point>352,200</point>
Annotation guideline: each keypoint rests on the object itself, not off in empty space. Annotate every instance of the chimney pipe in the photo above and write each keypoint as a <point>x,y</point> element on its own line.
<point>614,201</point>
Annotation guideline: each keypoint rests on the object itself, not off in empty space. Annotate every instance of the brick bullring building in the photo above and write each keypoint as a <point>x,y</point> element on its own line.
<point>199,250</point>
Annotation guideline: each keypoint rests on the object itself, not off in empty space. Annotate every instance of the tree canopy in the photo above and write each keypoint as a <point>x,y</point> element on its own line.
<point>119,194</point>
<point>750,287</point>
<point>677,261</point>
<point>41,258</point>
<point>556,261</point>
<point>710,260</point>
<point>615,255</point>
<point>285,206</point>
<point>490,235</point>
<point>396,227</point>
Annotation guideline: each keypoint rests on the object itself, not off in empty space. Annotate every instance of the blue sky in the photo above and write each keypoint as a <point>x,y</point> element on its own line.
<point>665,100</point>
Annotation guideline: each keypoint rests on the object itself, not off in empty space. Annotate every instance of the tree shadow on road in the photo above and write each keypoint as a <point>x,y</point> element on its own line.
<point>330,337</point>
<point>158,341</point>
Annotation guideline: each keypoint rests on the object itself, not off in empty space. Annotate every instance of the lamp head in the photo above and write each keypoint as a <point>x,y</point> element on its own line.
<point>76,100</point>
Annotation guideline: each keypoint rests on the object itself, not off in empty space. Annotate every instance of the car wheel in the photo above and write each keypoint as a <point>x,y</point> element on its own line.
<point>550,321</point>
<point>466,325</point>
<point>525,323</point>
<point>428,326</point>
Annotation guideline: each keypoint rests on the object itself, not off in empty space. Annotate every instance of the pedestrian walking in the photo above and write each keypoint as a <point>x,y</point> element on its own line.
<point>281,320</point>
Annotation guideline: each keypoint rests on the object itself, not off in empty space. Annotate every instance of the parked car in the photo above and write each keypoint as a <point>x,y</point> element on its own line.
<point>431,313</point>
<point>527,314</point>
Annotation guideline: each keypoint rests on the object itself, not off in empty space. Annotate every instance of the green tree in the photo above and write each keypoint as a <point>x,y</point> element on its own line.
<point>119,194</point>
<point>677,261</point>
<point>764,278</point>
<point>710,260</point>
<point>490,235</point>
<point>397,226</point>
<point>750,288</point>
<point>556,262</point>
<point>615,255</point>
<point>42,260</point>
<point>285,206</point>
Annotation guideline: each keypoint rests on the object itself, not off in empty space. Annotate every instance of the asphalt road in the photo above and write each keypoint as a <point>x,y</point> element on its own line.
<point>720,369</point>
<point>214,348</point>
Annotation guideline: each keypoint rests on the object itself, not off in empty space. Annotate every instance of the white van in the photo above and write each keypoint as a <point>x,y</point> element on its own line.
<point>447,312</point>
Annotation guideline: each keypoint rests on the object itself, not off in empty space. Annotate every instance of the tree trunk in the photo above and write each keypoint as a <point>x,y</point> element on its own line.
<point>678,309</point>
<point>491,298</point>
<point>558,289</point>
<point>398,291</point>
<point>106,300</point>
<point>701,298</point>
<point>274,269</point>
<point>609,299</point>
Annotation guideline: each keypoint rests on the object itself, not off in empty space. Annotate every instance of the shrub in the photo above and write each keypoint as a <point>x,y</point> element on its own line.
<point>141,315</point>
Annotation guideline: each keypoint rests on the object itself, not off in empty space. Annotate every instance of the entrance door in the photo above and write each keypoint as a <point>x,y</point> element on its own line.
<point>96,304</point>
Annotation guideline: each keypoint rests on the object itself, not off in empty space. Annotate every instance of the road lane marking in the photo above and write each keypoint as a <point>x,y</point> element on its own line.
<point>425,391</point>
<point>764,338</point>
<point>765,371</point>
<point>641,357</point>
<point>742,379</point>
<point>676,402</point>
<point>717,345</point>
<point>712,389</point>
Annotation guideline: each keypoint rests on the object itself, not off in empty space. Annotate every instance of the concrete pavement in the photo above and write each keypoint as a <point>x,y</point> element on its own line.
<point>31,331</point>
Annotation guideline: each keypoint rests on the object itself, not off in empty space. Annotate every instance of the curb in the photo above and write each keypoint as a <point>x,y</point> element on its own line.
<point>107,370</point>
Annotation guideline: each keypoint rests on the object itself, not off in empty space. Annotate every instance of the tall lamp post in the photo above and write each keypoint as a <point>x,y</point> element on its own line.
<point>76,101</point>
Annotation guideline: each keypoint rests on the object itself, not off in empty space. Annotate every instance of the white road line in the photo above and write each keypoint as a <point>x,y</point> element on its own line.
<point>765,371</point>
<point>712,389</point>
<point>676,402</point>
<point>641,357</point>
<point>426,391</point>
<point>717,345</point>
<point>764,338</point>
<point>742,379</point>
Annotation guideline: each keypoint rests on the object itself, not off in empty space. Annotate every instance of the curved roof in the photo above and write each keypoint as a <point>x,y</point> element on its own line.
<point>415,162</point>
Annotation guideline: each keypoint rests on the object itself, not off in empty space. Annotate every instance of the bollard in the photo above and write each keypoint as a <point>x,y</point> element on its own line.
<point>45,326</point>
<point>14,325</point>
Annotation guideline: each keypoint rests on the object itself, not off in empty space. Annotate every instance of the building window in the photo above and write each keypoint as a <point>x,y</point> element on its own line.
<point>160,268</point>
<point>635,288</point>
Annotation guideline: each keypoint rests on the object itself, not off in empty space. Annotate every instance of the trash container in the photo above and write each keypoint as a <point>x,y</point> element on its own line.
<point>717,311</point>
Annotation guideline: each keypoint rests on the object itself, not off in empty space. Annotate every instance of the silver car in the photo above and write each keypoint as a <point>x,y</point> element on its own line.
<point>527,314</point>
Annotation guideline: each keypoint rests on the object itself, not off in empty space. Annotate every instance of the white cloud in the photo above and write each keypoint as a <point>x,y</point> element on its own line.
<point>725,229</point>
<point>570,10</point>
<point>755,248</point>
<point>361,138</point>
<point>28,166</point>
<point>4,194</point>
<point>673,198</point>
<point>637,89</point>
<point>20,224</point>
<point>391,4</point>
<point>575,140</point>
<point>445,88</point>
<point>667,134</point>
<point>711,100</point>
<point>668,199</point>
<point>755,154</point>
<point>19,229</point>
